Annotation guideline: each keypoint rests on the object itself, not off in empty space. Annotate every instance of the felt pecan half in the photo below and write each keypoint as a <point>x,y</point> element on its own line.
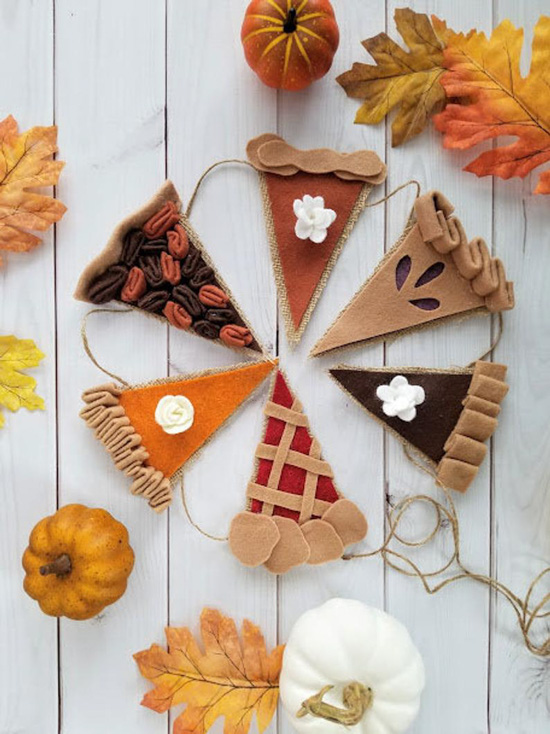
<point>201,276</point>
<point>192,262</point>
<point>183,295</point>
<point>170,268</point>
<point>154,247</point>
<point>135,285</point>
<point>177,315</point>
<point>133,240</point>
<point>220,316</point>
<point>153,301</point>
<point>150,264</point>
<point>178,242</point>
<point>206,329</point>
<point>108,285</point>
<point>213,296</point>
<point>235,336</point>
<point>162,221</point>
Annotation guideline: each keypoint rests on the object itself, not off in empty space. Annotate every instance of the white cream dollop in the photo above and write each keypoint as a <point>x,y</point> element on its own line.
<point>400,399</point>
<point>312,219</point>
<point>175,414</point>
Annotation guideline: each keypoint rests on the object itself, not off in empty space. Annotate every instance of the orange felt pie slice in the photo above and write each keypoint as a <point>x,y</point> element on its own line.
<point>432,274</point>
<point>327,191</point>
<point>152,430</point>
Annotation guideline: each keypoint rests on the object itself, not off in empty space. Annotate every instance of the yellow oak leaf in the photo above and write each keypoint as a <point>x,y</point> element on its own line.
<point>16,388</point>
<point>409,80</point>
<point>500,101</point>
<point>26,163</point>
<point>233,678</point>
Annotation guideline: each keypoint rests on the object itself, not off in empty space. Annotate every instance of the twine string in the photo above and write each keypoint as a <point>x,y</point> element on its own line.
<point>86,343</point>
<point>193,523</point>
<point>411,182</point>
<point>205,174</point>
<point>494,343</point>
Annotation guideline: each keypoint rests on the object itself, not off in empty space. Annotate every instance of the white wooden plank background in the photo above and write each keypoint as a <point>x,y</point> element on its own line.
<point>142,89</point>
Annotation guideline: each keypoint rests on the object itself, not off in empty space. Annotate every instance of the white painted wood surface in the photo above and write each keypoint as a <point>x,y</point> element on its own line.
<point>142,89</point>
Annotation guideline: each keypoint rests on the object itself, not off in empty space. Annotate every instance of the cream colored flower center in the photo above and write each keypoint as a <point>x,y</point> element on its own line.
<point>175,414</point>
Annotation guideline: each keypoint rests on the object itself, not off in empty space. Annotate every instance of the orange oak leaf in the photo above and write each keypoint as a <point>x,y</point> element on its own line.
<point>231,678</point>
<point>500,101</point>
<point>408,80</point>
<point>26,163</point>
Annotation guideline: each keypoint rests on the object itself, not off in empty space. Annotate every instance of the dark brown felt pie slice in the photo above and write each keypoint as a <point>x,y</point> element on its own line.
<point>458,414</point>
<point>287,174</point>
<point>433,273</point>
<point>155,262</point>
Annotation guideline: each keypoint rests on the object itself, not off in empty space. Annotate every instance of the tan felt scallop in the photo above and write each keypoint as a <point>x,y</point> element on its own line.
<point>348,521</point>
<point>291,550</point>
<point>323,540</point>
<point>252,538</point>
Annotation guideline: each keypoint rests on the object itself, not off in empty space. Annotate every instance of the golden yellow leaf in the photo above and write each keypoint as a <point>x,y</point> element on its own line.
<point>16,388</point>
<point>231,678</point>
<point>408,79</point>
<point>26,163</point>
<point>485,72</point>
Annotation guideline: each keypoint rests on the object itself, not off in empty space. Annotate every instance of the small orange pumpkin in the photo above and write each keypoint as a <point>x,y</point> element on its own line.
<point>78,562</point>
<point>290,43</point>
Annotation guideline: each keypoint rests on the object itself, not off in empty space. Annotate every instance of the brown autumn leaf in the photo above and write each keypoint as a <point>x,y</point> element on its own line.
<point>486,72</point>
<point>231,678</point>
<point>409,80</point>
<point>26,163</point>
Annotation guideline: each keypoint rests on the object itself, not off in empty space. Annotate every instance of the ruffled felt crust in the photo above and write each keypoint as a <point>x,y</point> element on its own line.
<point>280,543</point>
<point>106,416</point>
<point>465,448</point>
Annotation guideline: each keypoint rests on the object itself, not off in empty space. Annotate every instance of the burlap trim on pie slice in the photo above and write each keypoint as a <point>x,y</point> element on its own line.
<point>112,252</point>
<point>123,420</point>
<point>458,415</point>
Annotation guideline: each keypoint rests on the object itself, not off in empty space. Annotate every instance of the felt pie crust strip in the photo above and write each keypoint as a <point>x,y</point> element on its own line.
<point>464,448</point>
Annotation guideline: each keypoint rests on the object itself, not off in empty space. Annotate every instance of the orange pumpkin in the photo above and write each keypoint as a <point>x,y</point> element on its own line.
<point>290,43</point>
<point>78,561</point>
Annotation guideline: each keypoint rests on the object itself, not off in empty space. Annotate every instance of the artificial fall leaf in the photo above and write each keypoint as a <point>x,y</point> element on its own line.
<point>408,79</point>
<point>501,101</point>
<point>230,678</point>
<point>16,388</point>
<point>26,163</point>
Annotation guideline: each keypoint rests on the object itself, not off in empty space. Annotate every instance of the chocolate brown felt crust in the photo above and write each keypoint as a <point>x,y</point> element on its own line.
<point>113,250</point>
<point>458,448</point>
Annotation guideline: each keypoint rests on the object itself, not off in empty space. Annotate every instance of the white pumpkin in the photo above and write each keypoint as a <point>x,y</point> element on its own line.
<point>348,665</point>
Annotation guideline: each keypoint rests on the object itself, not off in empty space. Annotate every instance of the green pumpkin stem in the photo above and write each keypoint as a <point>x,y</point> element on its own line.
<point>357,698</point>
<point>61,567</point>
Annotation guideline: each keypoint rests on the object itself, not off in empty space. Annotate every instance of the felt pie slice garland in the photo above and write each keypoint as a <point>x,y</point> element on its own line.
<point>152,430</point>
<point>294,513</point>
<point>155,262</point>
<point>446,415</point>
<point>432,273</point>
<point>312,200</point>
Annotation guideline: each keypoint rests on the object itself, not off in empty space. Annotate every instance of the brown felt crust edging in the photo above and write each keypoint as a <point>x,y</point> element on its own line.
<point>113,250</point>
<point>295,334</point>
<point>464,448</point>
<point>471,282</point>
<point>107,417</point>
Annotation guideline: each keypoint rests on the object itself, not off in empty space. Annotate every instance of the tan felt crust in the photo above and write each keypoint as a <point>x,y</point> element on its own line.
<point>471,280</point>
<point>291,550</point>
<point>323,540</point>
<point>348,521</point>
<point>464,449</point>
<point>271,154</point>
<point>252,538</point>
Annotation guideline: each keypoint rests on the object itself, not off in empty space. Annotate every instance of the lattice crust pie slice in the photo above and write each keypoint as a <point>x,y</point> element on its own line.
<point>155,262</point>
<point>294,514</point>
<point>446,415</point>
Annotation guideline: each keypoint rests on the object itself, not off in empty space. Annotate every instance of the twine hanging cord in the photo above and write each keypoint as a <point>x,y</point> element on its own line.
<point>86,343</point>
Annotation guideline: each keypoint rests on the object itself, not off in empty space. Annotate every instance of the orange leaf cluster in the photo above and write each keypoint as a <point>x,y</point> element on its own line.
<point>484,72</point>
<point>26,163</point>
<point>230,678</point>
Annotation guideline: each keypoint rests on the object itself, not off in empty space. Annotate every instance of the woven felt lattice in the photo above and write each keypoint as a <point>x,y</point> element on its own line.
<point>294,514</point>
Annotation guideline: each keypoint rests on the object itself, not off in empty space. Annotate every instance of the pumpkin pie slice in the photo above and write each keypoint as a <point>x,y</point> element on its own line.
<point>312,200</point>
<point>446,415</point>
<point>294,513</point>
<point>156,263</point>
<point>432,274</point>
<point>151,431</point>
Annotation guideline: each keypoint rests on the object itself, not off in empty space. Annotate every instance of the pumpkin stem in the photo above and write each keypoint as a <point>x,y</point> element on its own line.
<point>61,566</point>
<point>357,699</point>
<point>291,22</point>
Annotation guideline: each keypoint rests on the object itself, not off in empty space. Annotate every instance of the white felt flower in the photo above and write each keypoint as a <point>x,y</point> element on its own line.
<point>312,219</point>
<point>175,414</point>
<point>400,398</point>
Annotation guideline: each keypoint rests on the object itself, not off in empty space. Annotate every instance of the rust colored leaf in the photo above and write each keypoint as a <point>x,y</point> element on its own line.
<point>230,676</point>
<point>409,80</point>
<point>26,163</point>
<point>485,72</point>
